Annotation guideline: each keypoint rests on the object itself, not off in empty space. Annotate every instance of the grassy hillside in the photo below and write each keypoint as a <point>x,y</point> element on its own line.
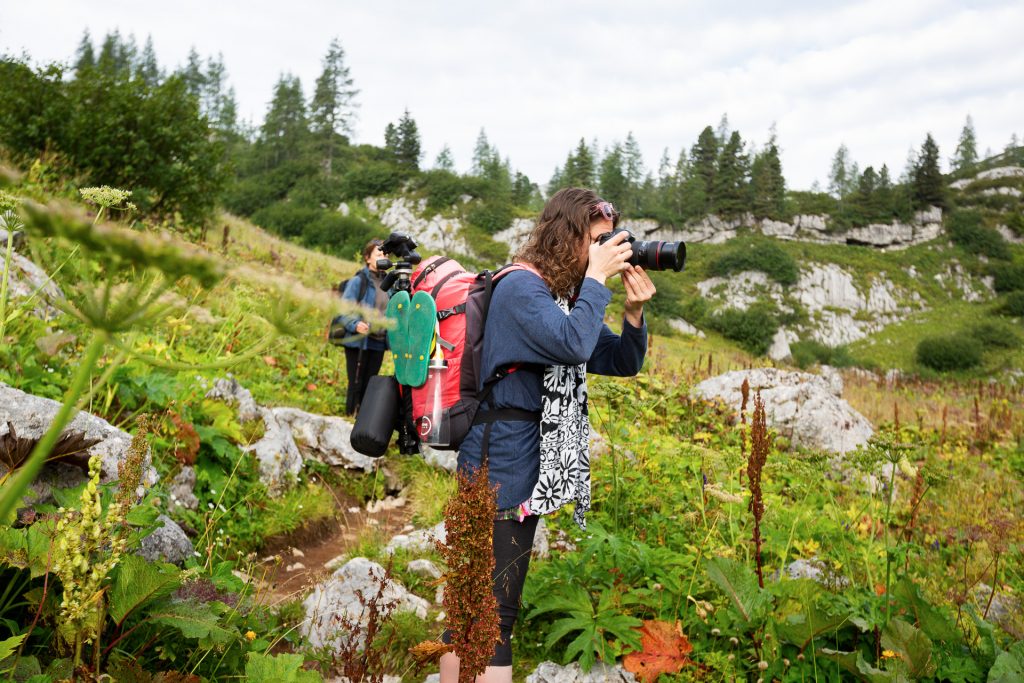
<point>669,535</point>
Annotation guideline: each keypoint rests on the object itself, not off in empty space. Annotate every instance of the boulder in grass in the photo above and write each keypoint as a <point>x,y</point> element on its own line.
<point>549,672</point>
<point>25,418</point>
<point>807,409</point>
<point>336,609</point>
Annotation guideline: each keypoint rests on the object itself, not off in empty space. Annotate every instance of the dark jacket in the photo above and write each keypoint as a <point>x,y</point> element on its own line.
<point>525,325</point>
<point>363,279</point>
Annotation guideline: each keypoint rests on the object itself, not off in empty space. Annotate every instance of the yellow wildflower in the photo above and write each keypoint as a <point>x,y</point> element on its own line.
<point>250,635</point>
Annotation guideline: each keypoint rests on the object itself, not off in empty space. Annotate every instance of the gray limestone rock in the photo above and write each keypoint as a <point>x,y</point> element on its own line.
<point>27,280</point>
<point>424,568</point>
<point>181,490</point>
<point>804,408</point>
<point>339,601</point>
<point>278,455</point>
<point>167,544</point>
<point>323,438</point>
<point>231,392</point>
<point>549,672</point>
<point>418,540</point>
<point>32,415</point>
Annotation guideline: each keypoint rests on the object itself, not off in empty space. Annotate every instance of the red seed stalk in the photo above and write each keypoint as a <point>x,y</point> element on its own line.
<point>759,446</point>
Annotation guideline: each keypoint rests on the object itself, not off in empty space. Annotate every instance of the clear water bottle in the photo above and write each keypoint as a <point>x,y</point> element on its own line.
<point>434,428</point>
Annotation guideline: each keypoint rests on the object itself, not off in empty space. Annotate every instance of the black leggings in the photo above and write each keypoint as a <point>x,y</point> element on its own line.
<point>359,373</point>
<point>513,541</point>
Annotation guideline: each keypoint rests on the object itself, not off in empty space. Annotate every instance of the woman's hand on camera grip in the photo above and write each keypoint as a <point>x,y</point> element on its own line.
<point>610,258</point>
<point>639,290</point>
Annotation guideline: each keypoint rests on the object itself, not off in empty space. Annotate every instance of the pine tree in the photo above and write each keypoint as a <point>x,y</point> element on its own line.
<point>966,154</point>
<point>445,161</point>
<point>409,150</point>
<point>211,98</point>
<point>612,181</point>
<point>839,174</point>
<point>633,167</point>
<point>116,55</point>
<point>731,186</point>
<point>483,155</point>
<point>579,167</point>
<point>767,184</point>
<point>391,139</point>
<point>886,198</point>
<point>285,129</point>
<point>1013,143</point>
<point>193,75</point>
<point>332,110</point>
<point>703,167</point>
<point>722,132</point>
<point>85,58</point>
<point>928,186</point>
<point>147,69</point>
<point>523,191</point>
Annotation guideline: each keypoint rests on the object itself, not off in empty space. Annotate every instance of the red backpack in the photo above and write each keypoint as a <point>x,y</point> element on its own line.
<point>462,299</point>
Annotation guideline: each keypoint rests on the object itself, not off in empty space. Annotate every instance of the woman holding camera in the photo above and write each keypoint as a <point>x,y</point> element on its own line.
<point>544,331</point>
<point>364,354</point>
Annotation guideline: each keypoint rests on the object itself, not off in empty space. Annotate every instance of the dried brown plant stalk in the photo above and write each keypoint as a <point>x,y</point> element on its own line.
<point>429,651</point>
<point>760,443</point>
<point>745,392</point>
<point>469,599</point>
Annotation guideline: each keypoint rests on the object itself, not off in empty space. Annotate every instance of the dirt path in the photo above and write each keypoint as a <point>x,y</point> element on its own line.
<point>303,555</point>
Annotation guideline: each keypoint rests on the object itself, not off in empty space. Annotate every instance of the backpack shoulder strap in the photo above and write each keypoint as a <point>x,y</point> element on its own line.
<point>428,270</point>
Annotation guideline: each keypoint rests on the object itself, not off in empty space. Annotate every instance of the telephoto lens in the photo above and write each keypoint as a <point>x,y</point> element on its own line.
<point>654,255</point>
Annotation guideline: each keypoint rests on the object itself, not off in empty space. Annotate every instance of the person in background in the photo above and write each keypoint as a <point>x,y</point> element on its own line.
<point>548,321</point>
<point>364,353</point>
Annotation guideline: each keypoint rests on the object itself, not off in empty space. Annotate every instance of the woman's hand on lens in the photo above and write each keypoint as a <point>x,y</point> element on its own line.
<point>610,258</point>
<point>639,290</point>
<point>362,328</point>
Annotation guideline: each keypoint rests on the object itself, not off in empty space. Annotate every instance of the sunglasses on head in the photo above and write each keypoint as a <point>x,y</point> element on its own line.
<point>607,210</point>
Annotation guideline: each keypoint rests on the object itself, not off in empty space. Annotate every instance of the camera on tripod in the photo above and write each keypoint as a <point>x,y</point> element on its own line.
<point>402,247</point>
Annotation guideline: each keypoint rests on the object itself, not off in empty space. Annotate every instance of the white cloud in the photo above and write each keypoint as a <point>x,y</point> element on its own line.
<point>875,74</point>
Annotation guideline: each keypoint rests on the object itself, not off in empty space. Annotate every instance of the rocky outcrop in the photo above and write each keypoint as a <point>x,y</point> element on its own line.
<point>806,409</point>
<point>924,227</point>
<point>404,215</point>
<point>290,437</point>
<point>336,611</point>
<point>549,672</point>
<point>30,416</point>
<point>990,174</point>
<point>515,235</point>
<point>683,327</point>
<point>27,280</point>
<point>958,283</point>
<point>840,312</point>
<point>182,489</point>
<point>419,540</point>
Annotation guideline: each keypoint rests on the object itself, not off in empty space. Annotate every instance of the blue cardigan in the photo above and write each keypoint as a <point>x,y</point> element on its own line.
<point>525,325</point>
<point>369,300</point>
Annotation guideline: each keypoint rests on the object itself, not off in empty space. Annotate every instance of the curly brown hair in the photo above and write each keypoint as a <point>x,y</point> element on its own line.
<point>554,245</point>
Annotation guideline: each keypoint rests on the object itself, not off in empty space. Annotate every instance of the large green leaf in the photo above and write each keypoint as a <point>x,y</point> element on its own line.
<point>929,618</point>
<point>137,582</point>
<point>740,583</point>
<point>282,668</point>
<point>9,646</point>
<point>1009,666</point>
<point>27,548</point>
<point>195,620</point>
<point>913,646</point>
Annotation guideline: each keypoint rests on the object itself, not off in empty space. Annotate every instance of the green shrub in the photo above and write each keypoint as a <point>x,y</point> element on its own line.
<point>339,234</point>
<point>953,352</point>
<point>1013,305</point>
<point>809,352</point>
<point>753,329</point>
<point>371,179</point>
<point>444,188</point>
<point>491,216</point>
<point>762,255</point>
<point>1016,223</point>
<point>286,218</point>
<point>996,335</point>
<point>811,203</point>
<point>1009,277</point>
<point>966,228</point>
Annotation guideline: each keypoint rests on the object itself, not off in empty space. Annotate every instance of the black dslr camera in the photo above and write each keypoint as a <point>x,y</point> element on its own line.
<point>652,255</point>
<point>402,247</point>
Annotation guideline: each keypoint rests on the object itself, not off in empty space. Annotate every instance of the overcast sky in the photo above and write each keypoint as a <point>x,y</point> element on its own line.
<point>539,75</point>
